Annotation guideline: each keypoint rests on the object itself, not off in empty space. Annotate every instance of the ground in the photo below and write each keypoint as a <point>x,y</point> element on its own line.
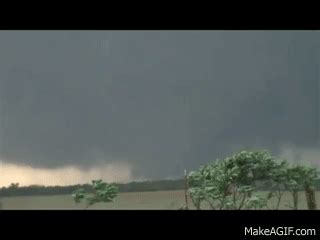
<point>170,200</point>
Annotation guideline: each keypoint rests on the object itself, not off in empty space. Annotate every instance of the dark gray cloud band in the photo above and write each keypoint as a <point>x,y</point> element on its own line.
<point>160,100</point>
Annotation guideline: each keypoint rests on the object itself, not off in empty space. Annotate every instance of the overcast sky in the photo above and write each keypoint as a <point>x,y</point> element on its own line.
<point>125,105</point>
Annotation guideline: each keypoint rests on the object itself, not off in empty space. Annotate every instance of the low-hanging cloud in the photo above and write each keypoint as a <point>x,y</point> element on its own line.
<point>300,155</point>
<point>71,175</point>
<point>162,101</point>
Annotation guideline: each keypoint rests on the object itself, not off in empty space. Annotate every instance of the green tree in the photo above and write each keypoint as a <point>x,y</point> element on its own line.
<point>233,183</point>
<point>100,192</point>
<point>301,177</point>
<point>294,182</point>
<point>310,175</point>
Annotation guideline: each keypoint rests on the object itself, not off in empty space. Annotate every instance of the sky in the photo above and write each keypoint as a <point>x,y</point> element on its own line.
<point>134,105</point>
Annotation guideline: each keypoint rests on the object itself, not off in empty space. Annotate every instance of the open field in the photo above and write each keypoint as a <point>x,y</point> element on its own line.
<point>170,200</point>
<point>132,200</point>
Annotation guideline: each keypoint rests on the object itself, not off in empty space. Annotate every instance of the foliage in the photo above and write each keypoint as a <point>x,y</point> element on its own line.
<point>302,177</point>
<point>233,183</point>
<point>101,192</point>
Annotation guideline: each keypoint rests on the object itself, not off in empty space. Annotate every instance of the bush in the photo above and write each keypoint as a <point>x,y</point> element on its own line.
<point>100,192</point>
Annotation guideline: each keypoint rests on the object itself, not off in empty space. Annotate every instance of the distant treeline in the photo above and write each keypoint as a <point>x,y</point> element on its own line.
<point>143,186</point>
<point>161,185</point>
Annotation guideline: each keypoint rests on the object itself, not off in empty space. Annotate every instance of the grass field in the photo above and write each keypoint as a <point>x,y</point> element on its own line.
<point>170,200</point>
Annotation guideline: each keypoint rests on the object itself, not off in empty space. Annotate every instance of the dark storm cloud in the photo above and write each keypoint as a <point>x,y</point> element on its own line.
<point>160,100</point>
